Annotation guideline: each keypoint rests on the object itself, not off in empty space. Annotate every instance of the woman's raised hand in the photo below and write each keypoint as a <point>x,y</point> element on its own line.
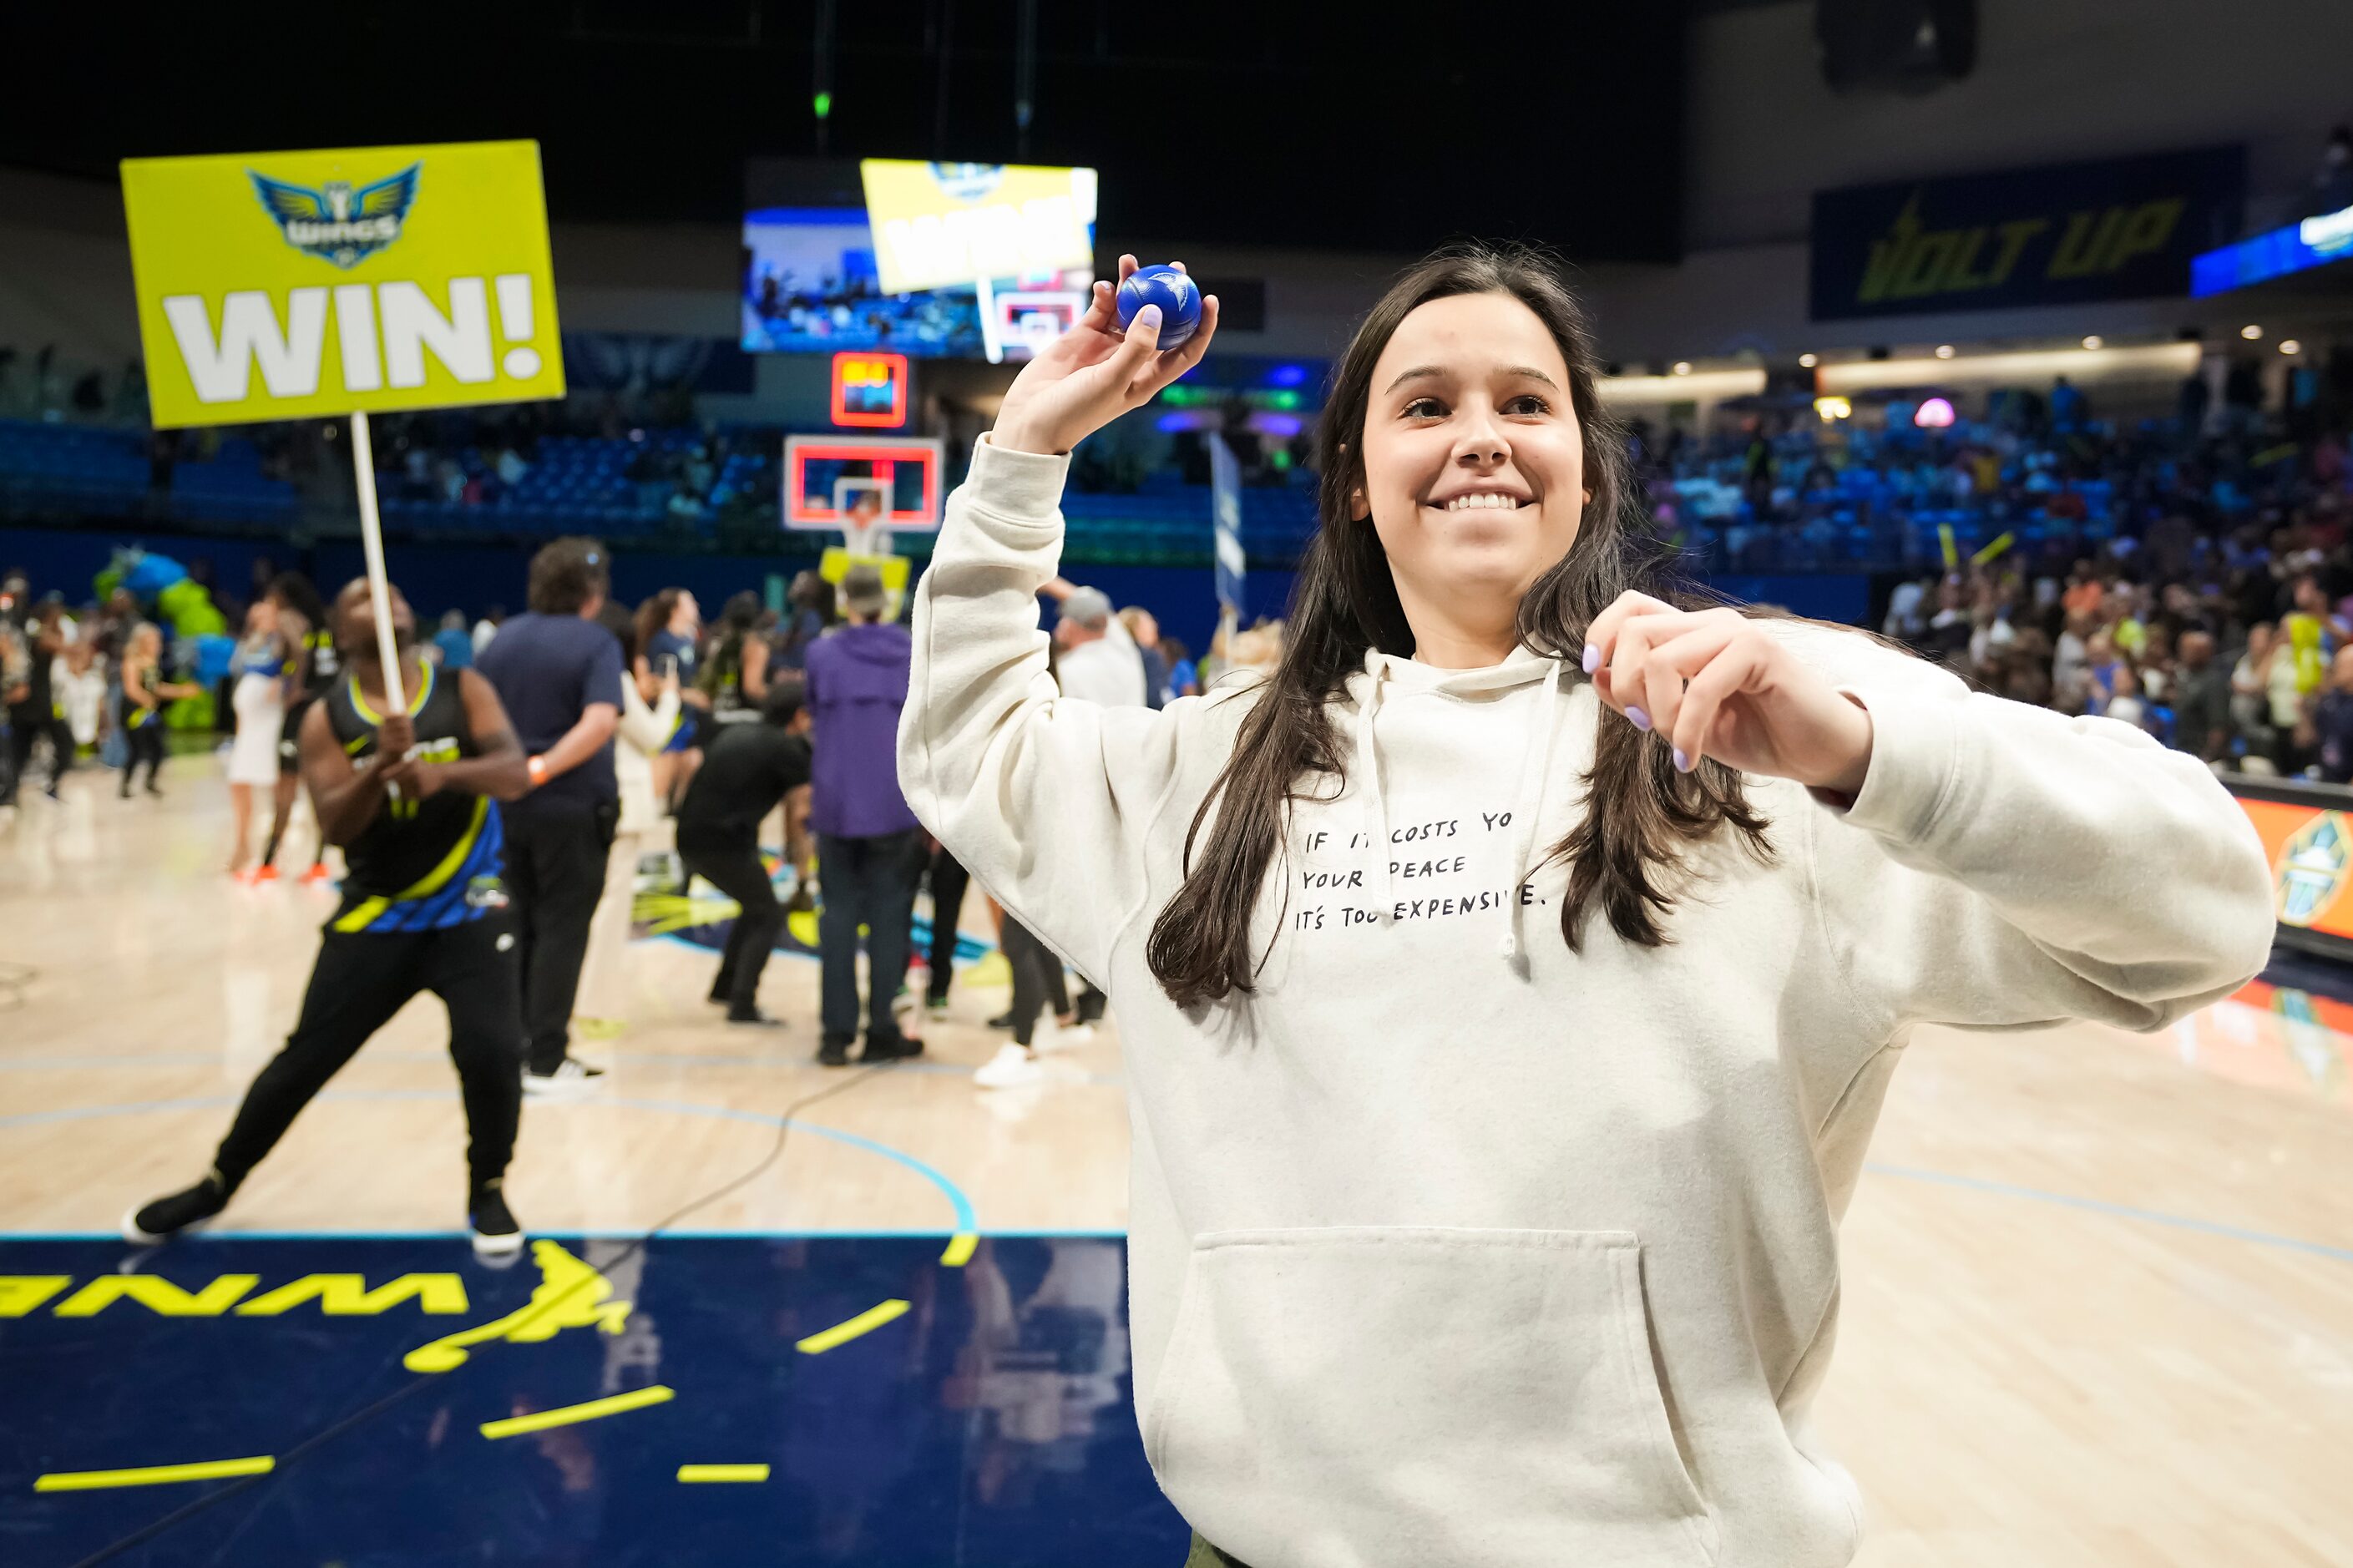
<point>1094,372</point>
<point>1717,684</point>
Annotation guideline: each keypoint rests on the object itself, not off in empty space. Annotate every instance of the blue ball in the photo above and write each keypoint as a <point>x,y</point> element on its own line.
<point>1179,297</point>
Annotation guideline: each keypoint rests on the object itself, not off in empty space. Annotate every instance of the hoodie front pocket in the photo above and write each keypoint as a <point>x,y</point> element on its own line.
<point>1437,1398</point>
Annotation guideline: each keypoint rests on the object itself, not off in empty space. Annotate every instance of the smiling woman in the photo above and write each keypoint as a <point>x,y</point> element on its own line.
<point>1474,377</point>
<point>1451,1243</point>
<point>1473,471</point>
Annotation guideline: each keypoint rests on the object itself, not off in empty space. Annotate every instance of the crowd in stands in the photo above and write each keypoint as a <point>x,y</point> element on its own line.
<point>2190,575</point>
<point>2160,570</point>
<point>2236,647</point>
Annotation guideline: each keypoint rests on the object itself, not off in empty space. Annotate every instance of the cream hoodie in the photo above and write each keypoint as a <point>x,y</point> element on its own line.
<point>1453,1248</point>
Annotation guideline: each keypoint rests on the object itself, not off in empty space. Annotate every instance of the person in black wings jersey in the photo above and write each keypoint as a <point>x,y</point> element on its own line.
<point>410,797</point>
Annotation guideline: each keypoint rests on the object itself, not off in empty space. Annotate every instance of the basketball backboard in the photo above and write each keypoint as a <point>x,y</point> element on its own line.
<point>1029,319</point>
<point>846,483</point>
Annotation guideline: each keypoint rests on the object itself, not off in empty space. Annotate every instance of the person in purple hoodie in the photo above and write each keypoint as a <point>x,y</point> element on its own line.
<point>869,851</point>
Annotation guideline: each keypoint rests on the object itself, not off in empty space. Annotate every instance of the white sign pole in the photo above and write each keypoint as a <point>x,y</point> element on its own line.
<point>372,543</point>
<point>991,344</point>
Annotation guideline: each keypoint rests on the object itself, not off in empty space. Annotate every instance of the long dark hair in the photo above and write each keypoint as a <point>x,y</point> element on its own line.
<point>293,592</point>
<point>726,661</point>
<point>653,619</point>
<point>1641,812</point>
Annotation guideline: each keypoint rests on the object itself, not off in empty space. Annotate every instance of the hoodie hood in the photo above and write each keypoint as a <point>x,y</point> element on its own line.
<point>857,684</point>
<point>1386,675</point>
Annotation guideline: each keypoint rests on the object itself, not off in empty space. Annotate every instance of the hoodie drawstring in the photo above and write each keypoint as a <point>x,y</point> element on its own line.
<point>1535,773</point>
<point>1376,809</point>
<point>1535,777</point>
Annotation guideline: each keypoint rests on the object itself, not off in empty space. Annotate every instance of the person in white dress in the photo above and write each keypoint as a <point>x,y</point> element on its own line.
<point>263,666</point>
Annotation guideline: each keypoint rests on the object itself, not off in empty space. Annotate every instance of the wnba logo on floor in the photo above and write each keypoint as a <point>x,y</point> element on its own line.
<point>449,297</point>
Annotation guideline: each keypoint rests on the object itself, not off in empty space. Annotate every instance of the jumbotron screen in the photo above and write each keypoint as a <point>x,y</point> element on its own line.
<point>930,260</point>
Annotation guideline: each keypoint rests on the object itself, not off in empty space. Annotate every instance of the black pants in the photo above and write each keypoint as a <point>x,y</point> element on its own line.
<point>734,869</point>
<point>146,743</point>
<point>557,850</point>
<point>869,883</point>
<point>949,881</point>
<point>360,981</point>
<point>1036,979</point>
<point>26,726</point>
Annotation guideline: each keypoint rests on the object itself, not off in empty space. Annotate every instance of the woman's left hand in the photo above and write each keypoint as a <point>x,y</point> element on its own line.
<point>1716,684</point>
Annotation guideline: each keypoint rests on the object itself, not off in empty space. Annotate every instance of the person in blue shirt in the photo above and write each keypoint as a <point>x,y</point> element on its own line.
<point>454,643</point>
<point>558,670</point>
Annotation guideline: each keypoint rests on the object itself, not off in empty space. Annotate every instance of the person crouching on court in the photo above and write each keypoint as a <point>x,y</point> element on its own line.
<point>411,799</point>
<point>1509,980</point>
<point>747,771</point>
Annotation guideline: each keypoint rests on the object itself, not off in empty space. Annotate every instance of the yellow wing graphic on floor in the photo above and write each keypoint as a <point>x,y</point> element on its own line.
<point>570,1295</point>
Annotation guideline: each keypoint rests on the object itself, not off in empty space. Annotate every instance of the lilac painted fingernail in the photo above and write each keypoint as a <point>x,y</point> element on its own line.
<point>1683,760</point>
<point>1592,658</point>
<point>1642,720</point>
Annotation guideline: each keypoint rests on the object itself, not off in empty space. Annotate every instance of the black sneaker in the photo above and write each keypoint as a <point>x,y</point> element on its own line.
<point>167,1217</point>
<point>492,1223</point>
<point>1002,1021</point>
<point>834,1052</point>
<point>755,1020</point>
<point>891,1048</point>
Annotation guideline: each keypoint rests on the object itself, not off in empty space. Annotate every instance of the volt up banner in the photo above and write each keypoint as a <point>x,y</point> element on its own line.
<point>2122,228</point>
<point>292,285</point>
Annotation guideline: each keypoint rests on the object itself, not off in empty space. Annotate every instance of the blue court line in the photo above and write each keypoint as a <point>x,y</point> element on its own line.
<point>967,1217</point>
<point>2114,1210</point>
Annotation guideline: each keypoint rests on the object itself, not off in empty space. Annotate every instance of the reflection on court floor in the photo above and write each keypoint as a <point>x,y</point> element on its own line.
<point>897,1400</point>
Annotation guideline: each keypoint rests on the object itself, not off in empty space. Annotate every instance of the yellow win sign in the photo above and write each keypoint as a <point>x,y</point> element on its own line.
<point>289,285</point>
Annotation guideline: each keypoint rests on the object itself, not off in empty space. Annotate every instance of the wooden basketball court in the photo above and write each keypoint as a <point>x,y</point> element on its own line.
<point>2099,1286</point>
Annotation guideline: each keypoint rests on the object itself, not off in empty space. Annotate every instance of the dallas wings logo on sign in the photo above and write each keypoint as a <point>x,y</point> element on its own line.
<point>336,223</point>
<point>435,289</point>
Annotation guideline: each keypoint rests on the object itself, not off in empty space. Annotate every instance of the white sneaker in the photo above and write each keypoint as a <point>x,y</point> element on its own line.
<point>1056,1036</point>
<point>570,1077</point>
<point>1012,1068</point>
